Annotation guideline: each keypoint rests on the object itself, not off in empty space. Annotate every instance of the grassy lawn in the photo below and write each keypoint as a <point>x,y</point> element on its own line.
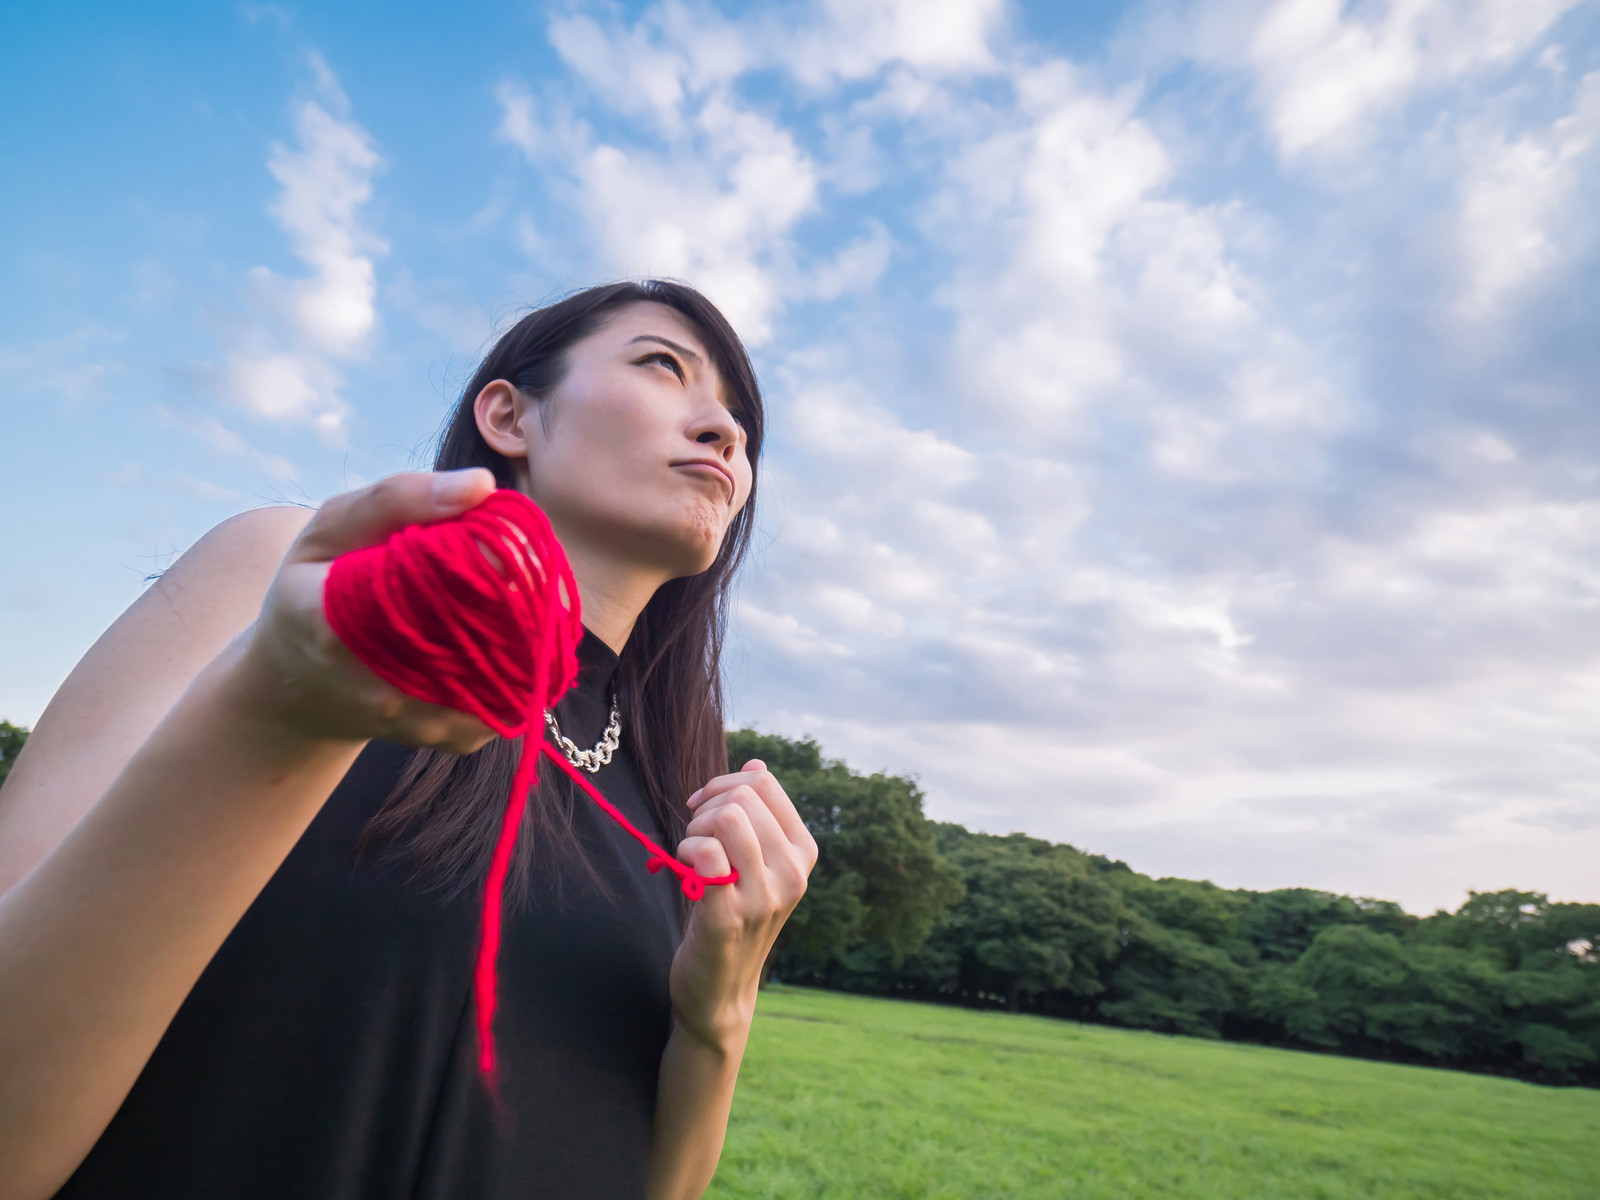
<point>843,1096</point>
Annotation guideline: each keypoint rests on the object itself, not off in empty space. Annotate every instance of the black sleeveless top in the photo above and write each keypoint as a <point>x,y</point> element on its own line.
<point>328,1051</point>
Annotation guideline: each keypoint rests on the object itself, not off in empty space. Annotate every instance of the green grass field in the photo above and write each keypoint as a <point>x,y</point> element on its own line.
<point>843,1096</point>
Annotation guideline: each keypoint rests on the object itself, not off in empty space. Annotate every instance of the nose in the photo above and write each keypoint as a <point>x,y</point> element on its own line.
<point>715,429</point>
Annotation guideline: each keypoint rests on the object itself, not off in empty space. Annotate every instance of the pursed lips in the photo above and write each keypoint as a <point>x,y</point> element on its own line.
<point>700,465</point>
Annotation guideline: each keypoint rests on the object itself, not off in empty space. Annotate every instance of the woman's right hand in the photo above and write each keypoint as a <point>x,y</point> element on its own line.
<point>293,671</point>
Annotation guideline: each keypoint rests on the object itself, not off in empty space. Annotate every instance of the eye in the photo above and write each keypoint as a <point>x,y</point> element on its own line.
<point>661,356</point>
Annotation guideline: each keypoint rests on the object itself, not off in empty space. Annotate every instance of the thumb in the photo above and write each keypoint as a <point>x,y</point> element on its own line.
<point>365,517</point>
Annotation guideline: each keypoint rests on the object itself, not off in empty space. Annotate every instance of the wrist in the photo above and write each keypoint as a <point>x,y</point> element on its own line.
<point>262,693</point>
<point>722,1032</point>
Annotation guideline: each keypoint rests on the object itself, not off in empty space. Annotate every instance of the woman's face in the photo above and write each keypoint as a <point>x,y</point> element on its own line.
<point>635,453</point>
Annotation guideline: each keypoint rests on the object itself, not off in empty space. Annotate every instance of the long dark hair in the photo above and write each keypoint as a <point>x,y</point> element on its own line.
<point>445,809</point>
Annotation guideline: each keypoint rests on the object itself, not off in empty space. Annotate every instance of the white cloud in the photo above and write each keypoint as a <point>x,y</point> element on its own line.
<point>717,205</point>
<point>517,122</point>
<point>1519,197</point>
<point>1033,204</point>
<point>285,366</point>
<point>719,199</point>
<point>841,424</point>
<point>722,217</point>
<point>256,13</point>
<point>288,387</point>
<point>1323,69</point>
<point>853,39</point>
<point>1519,560</point>
<point>657,66</point>
<point>1086,288</point>
<point>785,632</point>
<point>326,180</point>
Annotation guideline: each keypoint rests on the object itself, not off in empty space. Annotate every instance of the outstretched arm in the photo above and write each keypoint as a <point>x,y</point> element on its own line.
<point>113,916</point>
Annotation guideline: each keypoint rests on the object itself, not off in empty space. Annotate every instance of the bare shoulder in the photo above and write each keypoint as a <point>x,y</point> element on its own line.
<point>215,586</point>
<point>114,697</point>
<point>247,540</point>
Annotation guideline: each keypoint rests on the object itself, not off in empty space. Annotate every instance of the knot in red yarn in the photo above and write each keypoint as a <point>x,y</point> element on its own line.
<point>692,882</point>
<point>480,614</point>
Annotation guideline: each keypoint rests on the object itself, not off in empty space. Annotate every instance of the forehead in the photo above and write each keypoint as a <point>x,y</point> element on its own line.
<point>646,318</point>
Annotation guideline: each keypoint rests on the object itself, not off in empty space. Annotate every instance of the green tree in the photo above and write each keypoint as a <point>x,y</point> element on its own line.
<point>1549,958</point>
<point>1169,979</point>
<point>1282,924</point>
<point>1366,992</point>
<point>1181,967</point>
<point>1508,981</point>
<point>11,739</point>
<point>879,877</point>
<point>1035,928</point>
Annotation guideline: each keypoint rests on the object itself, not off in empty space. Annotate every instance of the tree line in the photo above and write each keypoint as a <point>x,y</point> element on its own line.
<point>900,905</point>
<point>11,739</point>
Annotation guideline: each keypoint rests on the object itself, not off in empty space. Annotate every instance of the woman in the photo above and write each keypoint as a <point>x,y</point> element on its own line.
<point>239,870</point>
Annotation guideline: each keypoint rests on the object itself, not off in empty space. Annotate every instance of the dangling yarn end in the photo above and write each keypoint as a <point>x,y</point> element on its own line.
<point>484,982</point>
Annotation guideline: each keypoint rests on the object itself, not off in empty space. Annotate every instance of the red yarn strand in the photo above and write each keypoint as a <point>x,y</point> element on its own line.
<point>691,881</point>
<point>484,981</point>
<point>431,613</point>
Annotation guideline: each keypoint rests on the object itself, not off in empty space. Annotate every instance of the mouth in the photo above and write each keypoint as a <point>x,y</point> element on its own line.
<point>703,466</point>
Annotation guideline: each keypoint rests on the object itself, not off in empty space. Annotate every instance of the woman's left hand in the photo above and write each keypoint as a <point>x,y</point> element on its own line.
<point>745,821</point>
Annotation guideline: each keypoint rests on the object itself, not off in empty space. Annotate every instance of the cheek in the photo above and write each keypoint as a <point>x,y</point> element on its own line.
<point>602,450</point>
<point>743,478</point>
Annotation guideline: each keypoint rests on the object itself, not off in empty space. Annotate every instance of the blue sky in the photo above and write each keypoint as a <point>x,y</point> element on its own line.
<point>1184,419</point>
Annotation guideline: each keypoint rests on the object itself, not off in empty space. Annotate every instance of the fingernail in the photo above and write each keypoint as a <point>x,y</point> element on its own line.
<point>452,487</point>
<point>695,799</point>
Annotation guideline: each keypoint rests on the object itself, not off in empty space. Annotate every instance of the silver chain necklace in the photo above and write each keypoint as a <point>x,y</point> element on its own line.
<point>589,760</point>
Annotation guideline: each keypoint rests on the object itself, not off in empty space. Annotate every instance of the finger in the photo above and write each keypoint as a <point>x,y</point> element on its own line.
<point>781,806</point>
<point>366,517</point>
<point>766,785</point>
<point>774,842</point>
<point>730,826</point>
<point>721,784</point>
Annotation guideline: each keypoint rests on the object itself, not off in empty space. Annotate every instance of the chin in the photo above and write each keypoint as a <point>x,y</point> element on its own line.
<point>696,543</point>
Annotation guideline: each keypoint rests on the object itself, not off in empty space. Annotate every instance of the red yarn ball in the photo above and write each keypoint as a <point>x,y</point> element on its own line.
<point>466,613</point>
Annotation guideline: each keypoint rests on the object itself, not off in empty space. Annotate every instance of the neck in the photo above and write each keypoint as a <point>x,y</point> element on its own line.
<point>612,593</point>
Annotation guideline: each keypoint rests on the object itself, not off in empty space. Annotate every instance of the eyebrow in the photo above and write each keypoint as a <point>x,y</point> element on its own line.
<point>683,350</point>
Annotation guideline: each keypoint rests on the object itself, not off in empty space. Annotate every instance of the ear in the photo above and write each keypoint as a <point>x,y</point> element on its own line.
<point>498,410</point>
